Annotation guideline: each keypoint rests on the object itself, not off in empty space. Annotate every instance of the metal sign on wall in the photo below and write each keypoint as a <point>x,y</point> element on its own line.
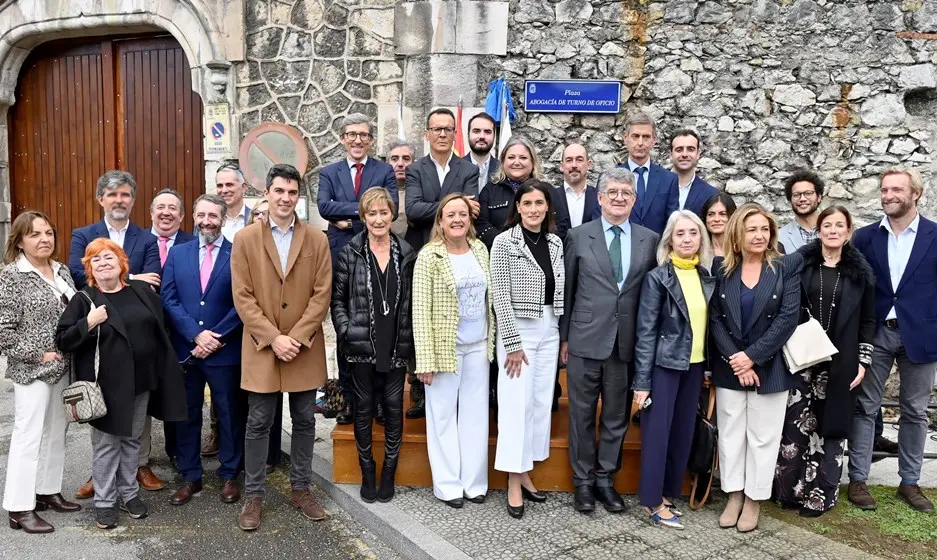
<point>572,96</point>
<point>217,129</point>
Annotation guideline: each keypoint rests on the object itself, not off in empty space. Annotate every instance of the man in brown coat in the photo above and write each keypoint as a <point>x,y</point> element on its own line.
<point>282,280</point>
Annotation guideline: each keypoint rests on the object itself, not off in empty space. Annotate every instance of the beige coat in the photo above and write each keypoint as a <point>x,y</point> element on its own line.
<point>271,303</point>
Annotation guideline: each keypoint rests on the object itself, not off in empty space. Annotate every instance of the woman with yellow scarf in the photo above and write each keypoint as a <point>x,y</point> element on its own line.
<point>670,356</point>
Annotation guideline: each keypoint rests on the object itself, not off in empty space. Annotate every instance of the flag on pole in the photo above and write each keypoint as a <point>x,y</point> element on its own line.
<point>505,116</point>
<point>401,135</point>
<point>459,146</point>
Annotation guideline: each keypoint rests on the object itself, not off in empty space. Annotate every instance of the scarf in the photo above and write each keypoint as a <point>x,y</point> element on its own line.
<point>684,264</point>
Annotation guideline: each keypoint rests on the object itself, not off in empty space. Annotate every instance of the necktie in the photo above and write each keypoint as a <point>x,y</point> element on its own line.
<point>358,167</point>
<point>163,243</point>
<point>614,253</point>
<point>204,271</point>
<point>642,185</point>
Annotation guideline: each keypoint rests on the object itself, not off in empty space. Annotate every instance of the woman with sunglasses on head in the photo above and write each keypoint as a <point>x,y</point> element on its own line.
<point>715,214</point>
<point>34,290</point>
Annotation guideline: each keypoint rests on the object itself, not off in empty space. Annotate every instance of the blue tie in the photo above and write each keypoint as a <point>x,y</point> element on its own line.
<point>642,185</point>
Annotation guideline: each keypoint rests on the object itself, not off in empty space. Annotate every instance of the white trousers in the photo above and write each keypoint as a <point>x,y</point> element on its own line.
<point>457,426</point>
<point>36,459</point>
<point>750,428</point>
<point>524,402</point>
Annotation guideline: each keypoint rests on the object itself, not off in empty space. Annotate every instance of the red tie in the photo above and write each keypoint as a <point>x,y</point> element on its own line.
<point>358,167</point>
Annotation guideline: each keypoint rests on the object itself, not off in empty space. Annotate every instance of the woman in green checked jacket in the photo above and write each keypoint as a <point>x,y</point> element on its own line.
<point>454,335</point>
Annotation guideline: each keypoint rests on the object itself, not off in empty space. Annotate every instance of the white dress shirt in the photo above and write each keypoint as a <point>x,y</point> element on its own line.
<point>353,171</point>
<point>233,225</point>
<point>647,174</point>
<point>899,251</point>
<point>283,239</point>
<point>441,171</point>
<point>117,235</point>
<point>576,204</point>
<point>483,168</point>
<point>202,251</point>
<point>59,286</point>
<point>169,242</point>
<point>684,191</point>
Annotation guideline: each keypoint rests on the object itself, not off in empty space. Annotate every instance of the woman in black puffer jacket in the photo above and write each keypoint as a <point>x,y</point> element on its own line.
<point>371,297</point>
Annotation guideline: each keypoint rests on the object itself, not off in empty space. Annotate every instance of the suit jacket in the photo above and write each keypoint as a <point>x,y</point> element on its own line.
<point>914,300</point>
<point>590,211</point>
<point>337,201</point>
<point>272,302</point>
<point>773,320</point>
<point>139,244</point>
<point>493,165</point>
<point>661,198</point>
<point>700,192</point>
<point>596,313</point>
<point>424,193</point>
<point>191,311</point>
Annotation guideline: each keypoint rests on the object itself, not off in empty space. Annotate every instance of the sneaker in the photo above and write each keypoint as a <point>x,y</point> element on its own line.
<point>135,508</point>
<point>105,518</point>
<point>860,497</point>
<point>911,494</point>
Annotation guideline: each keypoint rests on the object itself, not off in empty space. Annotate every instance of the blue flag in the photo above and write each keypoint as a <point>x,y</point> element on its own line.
<point>498,91</point>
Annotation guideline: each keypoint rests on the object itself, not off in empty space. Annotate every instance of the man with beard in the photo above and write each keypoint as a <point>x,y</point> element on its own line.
<point>902,250</point>
<point>582,202</point>
<point>655,187</point>
<point>481,137</point>
<point>692,191</point>
<point>231,187</point>
<point>804,190</point>
<point>206,333</point>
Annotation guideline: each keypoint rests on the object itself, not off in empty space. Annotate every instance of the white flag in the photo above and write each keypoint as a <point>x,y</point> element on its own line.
<point>505,133</point>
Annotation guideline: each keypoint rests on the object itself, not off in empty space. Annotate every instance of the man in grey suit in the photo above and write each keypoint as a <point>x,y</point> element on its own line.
<point>606,260</point>
<point>432,177</point>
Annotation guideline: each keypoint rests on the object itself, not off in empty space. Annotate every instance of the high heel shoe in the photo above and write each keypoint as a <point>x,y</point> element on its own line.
<point>29,522</point>
<point>516,512</point>
<point>533,496</point>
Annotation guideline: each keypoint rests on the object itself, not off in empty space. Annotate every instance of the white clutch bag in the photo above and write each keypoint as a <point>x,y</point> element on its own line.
<point>808,346</point>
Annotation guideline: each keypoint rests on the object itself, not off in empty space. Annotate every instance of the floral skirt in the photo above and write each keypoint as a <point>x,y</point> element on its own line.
<point>809,465</point>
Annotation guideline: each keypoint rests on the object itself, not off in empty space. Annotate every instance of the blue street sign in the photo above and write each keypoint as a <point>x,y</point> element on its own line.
<point>217,130</point>
<point>572,96</point>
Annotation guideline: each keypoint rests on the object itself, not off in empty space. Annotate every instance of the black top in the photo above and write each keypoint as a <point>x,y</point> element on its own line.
<point>830,280</point>
<point>540,249</point>
<point>383,289</point>
<point>143,330</point>
<point>746,302</point>
<point>716,269</point>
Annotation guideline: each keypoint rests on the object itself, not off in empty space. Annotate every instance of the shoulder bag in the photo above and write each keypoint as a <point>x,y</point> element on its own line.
<point>703,457</point>
<point>808,346</point>
<point>83,400</point>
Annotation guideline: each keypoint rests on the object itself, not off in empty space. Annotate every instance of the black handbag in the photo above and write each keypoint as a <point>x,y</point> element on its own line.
<point>703,457</point>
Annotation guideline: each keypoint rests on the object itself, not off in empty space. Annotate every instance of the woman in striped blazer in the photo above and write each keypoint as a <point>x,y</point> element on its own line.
<point>527,276</point>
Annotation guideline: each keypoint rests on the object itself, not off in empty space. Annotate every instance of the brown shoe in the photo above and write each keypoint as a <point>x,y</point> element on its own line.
<point>911,494</point>
<point>185,493</point>
<point>86,491</point>
<point>29,522</point>
<point>148,479</point>
<point>306,502</point>
<point>748,521</point>
<point>730,516</point>
<point>249,520</point>
<point>210,445</point>
<point>860,497</point>
<point>230,492</point>
<point>57,502</point>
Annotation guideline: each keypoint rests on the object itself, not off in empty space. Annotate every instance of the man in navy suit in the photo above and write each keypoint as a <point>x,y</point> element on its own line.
<point>655,187</point>
<point>206,334</point>
<point>116,193</point>
<point>692,191</point>
<point>902,250</point>
<point>481,138</point>
<point>581,200</point>
<point>231,187</point>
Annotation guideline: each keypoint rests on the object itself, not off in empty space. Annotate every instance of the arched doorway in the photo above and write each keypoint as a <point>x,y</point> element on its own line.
<point>103,103</point>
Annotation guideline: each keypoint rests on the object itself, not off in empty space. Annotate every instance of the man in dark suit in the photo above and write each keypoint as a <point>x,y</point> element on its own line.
<point>606,260</point>
<point>116,193</point>
<point>902,250</point>
<point>433,176</point>
<point>655,187</point>
<point>206,334</point>
<point>692,191</point>
<point>481,138</point>
<point>581,200</point>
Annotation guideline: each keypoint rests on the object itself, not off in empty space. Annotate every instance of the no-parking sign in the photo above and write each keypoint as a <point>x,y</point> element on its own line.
<point>218,129</point>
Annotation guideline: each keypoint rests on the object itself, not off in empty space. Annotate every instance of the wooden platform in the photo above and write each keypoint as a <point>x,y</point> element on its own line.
<point>554,474</point>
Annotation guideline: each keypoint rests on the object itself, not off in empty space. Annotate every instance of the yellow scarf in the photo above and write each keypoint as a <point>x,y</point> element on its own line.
<point>684,264</point>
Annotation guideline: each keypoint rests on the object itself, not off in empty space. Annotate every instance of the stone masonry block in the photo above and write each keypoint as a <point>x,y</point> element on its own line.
<point>462,26</point>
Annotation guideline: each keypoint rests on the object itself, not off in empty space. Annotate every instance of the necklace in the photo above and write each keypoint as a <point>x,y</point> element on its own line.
<point>539,236</point>
<point>385,309</point>
<point>829,318</point>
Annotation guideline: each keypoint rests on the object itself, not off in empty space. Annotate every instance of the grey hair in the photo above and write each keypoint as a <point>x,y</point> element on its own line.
<point>172,192</point>
<point>357,118</point>
<point>665,246</point>
<point>640,117</point>
<point>400,144</point>
<point>237,172</point>
<point>620,175</point>
<point>214,199</point>
<point>536,170</point>
<point>114,179</point>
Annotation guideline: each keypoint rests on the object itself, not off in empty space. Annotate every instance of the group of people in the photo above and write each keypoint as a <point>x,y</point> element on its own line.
<point>647,287</point>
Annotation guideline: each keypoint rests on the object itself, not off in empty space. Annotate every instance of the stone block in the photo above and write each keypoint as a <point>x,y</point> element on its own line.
<point>919,76</point>
<point>671,82</point>
<point>794,95</point>
<point>329,43</point>
<point>264,44</point>
<point>884,109</point>
<point>362,43</point>
<point>481,28</point>
<point>307,14</point>
<point>381,70</point>
<point>530,11</point>
<point>297,44</point>
<point>462,26</point>
<point>572,10</point>
<point>924,19</point>
<point>379,22</point>
<point>389,127</point>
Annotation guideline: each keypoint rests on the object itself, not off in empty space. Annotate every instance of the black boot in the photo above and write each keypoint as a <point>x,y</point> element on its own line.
<point>368,483</point>
<point>388,472</point>
<point>418,410</point>
<point>347,414</point>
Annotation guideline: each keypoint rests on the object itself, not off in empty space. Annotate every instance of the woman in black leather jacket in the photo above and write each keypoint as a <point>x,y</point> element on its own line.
<point>371,298</point>
<point>670,353</point>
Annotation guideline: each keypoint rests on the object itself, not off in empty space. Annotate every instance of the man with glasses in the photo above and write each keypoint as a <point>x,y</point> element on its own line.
<point>606,260</point>
<point>481,139</point>
<point>231,187</point>
<point>804,190</point>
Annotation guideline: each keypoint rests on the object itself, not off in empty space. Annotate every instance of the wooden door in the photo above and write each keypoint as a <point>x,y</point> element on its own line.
<point>109,103</point>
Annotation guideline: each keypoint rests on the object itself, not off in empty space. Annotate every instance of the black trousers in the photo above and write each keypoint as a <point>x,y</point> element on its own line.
<point>365,379</point>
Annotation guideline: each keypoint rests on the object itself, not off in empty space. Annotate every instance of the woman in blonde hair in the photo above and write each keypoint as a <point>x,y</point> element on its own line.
<point>754,312</point>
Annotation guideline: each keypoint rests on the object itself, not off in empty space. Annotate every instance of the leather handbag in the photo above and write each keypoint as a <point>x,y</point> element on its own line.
<point>808,346</point>
<point>703,457</point>
<point>83,400</point>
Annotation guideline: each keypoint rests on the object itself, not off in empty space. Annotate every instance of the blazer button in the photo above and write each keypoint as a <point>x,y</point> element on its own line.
<point>775,296</point>
<point>283,305</point>
<point>200,323</point>
<point>201,303</point>
<point>723,296</point>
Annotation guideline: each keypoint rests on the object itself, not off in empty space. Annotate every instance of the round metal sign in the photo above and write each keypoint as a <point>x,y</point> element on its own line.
<point>267,145</point>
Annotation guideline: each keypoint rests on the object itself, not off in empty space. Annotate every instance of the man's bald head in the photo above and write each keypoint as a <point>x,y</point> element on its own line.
<point>576,165</point>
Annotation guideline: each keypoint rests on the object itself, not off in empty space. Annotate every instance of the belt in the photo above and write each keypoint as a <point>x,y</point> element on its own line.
<point>891,323</point>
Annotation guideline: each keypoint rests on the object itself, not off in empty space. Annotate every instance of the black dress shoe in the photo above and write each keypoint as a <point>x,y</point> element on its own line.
<point>584,500</point>
<point>456,503</point>
<point>418,410</point>
<point>57,502</point>
<point>610,499</point>
<point>538,497</point>
<point>516,512</point>
<point>346,416</point>
<point>480,499</point>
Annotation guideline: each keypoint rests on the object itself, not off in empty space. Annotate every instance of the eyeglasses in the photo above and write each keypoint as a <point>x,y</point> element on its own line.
<point>358,135</point>
<point>441,131</point>
<point>805,194</point>
<point>622,194</point>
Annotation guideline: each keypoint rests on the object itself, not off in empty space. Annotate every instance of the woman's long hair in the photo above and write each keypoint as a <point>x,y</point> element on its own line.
<point>665,246</point>
<point>536,171</point>
<point>529,186</point>
<point>726,201</point>
<point>735,236</point>
<point>438,235</point>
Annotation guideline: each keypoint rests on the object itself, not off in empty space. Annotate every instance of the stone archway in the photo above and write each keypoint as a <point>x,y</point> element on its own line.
<point>25,24</point>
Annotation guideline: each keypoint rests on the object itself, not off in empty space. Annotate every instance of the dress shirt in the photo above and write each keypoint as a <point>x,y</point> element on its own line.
<point>117,235</point>
<point>684,191</point>
<point>59,286</point>
<point>169,242</point>
<point>576,204</point>
<point>441,171</point>
<point>282,239</point>
<point>647,174</point>
<point>353,171</point>
<point>482,172</point>
<point>625,245</point>
<point>232,226</point>
<point>202,251</point>
<point>899,251</point>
